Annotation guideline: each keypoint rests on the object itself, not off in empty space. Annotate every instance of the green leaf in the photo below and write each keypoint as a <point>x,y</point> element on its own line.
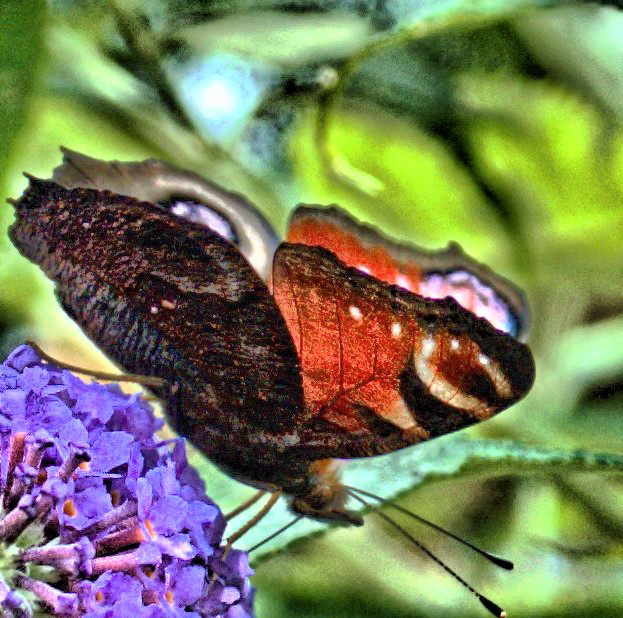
<point>581,44</point>
<point>452,457</point>
<point>20,54</point>
<point>591,353</point>
<point>377,17</point>
<point>21,37</point>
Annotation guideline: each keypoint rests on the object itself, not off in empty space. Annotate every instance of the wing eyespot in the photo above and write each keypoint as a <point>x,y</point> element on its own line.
<point>201,213</point>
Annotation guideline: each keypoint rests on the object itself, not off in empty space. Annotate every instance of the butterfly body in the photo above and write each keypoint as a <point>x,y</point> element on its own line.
<point>335,363</point>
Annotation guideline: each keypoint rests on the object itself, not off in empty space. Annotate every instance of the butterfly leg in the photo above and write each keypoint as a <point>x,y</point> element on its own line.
<point>245,505</point>
<point>101,375</point>
<point>252,522</point>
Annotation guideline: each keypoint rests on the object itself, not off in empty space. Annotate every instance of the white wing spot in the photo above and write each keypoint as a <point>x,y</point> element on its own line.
<point>396,329</point>
<point>454,344</point>
<point>355,312</point>
<point>502,385</point>
<point>403,282</point>
<point>153,309</point>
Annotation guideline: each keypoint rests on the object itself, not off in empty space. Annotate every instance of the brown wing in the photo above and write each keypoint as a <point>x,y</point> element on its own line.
<point>187,194</point>
<point>167,297</point>
<point>384,368</point>
<point>433,274</point>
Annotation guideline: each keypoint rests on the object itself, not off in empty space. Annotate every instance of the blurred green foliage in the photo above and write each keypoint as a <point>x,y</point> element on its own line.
<point>497,124</point>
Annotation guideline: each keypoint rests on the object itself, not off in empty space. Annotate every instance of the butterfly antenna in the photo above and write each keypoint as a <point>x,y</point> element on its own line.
<point>497,560</point>
<point>274,534</point>
<point>495,609</point>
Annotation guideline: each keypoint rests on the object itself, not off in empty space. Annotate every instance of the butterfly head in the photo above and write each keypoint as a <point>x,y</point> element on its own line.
<point>326,496</point>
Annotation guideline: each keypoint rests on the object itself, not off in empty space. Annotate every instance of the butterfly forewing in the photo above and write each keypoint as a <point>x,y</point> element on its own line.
<point>383,368</point>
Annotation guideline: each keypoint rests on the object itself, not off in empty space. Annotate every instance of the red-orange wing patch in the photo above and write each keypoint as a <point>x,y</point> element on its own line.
<point>433,274</point>
<point>346,346</point>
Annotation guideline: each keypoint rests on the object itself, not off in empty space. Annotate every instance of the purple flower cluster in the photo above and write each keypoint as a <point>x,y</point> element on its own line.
<point>99,518</point>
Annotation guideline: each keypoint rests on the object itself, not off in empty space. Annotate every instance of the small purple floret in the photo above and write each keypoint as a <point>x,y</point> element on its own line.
<point>128,529</point>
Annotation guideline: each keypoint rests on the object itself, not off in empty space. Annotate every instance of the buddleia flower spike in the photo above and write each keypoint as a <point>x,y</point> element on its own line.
<point>99,517</point>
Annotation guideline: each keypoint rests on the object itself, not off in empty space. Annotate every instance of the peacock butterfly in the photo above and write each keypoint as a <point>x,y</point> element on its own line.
<point>358,349</point>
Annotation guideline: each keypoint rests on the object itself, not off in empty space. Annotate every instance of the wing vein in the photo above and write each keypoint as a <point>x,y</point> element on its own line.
<point>341,344</point>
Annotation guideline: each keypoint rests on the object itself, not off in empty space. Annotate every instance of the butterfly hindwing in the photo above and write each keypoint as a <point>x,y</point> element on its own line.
<point>167,297</point>
<point>186,194</point>
<point>433,274</point>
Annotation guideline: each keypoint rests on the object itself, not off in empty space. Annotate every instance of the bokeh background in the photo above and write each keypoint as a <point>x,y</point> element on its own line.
<point>495,123</point>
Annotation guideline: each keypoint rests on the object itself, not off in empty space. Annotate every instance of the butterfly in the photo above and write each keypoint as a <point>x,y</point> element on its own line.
<point>351,345</point>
